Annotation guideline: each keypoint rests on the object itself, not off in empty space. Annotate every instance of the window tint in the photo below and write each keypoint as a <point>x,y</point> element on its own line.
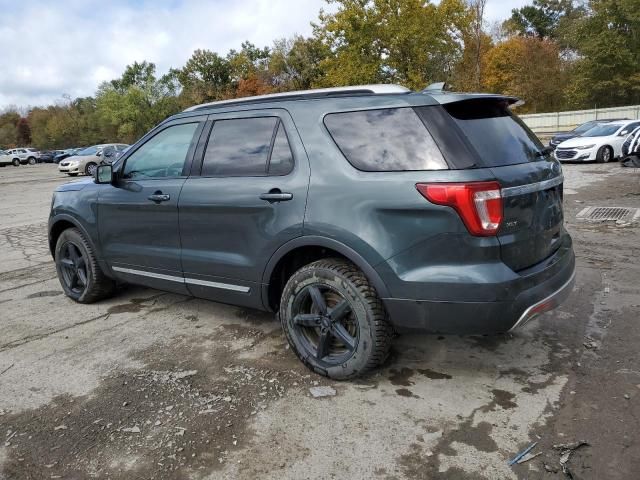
<point>281,161</point>
<point>163,155</point>
<point>498,136</point>
<point>391,139</point>
<point>239,147</point>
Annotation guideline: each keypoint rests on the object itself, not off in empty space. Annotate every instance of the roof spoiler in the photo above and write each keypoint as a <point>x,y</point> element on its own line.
<point>435,87</point>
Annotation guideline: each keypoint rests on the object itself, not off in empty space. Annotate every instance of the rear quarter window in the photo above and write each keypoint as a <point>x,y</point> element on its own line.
<point>385,140</point>
<point>497,135</point>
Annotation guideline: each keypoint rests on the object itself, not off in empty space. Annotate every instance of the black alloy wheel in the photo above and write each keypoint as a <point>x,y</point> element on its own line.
<point>73,268</point>
<point>78,269</point>
<point>334,320</point>
<point>325,324</point>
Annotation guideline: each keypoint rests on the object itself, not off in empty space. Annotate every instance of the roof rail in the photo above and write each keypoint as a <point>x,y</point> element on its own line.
<point>306,94</point>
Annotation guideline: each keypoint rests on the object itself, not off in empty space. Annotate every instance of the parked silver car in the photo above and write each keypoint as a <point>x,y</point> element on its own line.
<point>86,161</point>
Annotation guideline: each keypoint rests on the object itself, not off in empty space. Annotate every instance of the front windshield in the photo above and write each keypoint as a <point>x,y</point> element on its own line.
<point>88,151</point>
<point>601,131</point>
<point>585,127</point>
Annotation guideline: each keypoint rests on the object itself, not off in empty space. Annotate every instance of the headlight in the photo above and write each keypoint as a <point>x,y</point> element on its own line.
<point>585,147</point>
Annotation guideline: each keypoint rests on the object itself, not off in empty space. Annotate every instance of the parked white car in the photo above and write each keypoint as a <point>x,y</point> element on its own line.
<point>6,159</point>
<point>601,143</point>
<point>24,155</point>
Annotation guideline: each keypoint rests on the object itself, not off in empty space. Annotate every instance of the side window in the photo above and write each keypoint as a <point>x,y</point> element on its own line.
<point>281,161</point>
<point>163,155</point>
<point>239,147</point>
<point>385,140</point>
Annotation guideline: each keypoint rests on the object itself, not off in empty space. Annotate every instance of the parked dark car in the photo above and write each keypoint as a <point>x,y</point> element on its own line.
<point>353,212</point>
<point>66,154</point>
<point>558,138</point>
<point>47,156</point>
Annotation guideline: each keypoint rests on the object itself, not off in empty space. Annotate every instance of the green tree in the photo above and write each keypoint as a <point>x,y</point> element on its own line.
<point>296,63</point>
<point>529,68</point>
<point>412,42</point>
<point>131,105</point>
<point>607,71</point>
<point>205,77</point>
<point>544,18</point>
<point>8,128</point>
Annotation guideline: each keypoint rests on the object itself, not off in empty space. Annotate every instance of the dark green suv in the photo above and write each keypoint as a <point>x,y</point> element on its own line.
<point>354,212</point>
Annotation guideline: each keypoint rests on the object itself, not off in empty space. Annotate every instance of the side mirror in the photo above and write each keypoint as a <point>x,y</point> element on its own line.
<point>98,154</point>
<point>623,133</point>
<point>104,174</point>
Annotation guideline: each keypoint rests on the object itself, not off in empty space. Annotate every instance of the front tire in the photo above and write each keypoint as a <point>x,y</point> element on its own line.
<point>334,320</point>
<point>15,162</point>
<point>90,169</point>
<point>78,270</point>
<point>605,153</point>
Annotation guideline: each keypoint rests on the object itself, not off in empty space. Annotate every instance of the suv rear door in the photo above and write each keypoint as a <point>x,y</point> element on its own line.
<point>530,178</point>
<point>245,198</point>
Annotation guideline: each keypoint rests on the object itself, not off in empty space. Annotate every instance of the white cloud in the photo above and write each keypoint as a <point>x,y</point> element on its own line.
<point>70,46</point>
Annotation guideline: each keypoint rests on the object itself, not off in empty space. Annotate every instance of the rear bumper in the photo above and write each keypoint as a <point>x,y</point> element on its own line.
<point>546,304</point>
<point>517,300</point>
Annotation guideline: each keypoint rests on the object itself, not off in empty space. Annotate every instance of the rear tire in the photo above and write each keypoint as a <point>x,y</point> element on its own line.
<point>334,320</point>
<point>605,153</point>
<point>31,161</point>
<point>78,270</point>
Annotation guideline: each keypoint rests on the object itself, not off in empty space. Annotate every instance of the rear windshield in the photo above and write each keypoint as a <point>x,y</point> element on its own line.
<point>499,137</point>
<point>385,140</point>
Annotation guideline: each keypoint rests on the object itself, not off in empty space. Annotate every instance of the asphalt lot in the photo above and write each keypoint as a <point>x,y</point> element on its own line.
<point>156,385</point>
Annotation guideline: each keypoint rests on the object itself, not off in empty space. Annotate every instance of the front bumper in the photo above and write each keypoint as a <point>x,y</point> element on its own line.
<point>575,155</point>
<point>69,169</point>
<point>517,300</point>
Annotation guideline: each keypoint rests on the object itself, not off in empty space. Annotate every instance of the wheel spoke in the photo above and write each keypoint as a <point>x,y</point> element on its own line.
<point>73,280</point>
<point>318,299</point>
<point>82,277</point>
<point>73,253</point>
<point>339,311</point>
<point>341,333</point>
<point>323,344</point>
<point>67,262</point>
<point>307,320</point>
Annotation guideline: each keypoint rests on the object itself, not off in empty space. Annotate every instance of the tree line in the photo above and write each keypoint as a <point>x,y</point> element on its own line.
<point>554,54</point>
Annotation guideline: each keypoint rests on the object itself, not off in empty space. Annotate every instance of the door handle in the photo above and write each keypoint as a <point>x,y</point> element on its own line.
<point>275,195</point>
<point>159,197</point>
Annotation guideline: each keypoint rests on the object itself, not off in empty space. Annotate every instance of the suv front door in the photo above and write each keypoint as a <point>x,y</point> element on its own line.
<point>244,199</point>
<point>138,215</point>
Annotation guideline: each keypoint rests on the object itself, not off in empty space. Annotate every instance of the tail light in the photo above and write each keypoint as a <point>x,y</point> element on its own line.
<point>479,204</point>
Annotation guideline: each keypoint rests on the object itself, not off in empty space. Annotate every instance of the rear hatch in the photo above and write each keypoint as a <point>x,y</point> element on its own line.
<point>531,180</point>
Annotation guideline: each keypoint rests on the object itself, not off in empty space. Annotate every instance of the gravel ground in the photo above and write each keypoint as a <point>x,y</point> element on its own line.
<point>157,385</point>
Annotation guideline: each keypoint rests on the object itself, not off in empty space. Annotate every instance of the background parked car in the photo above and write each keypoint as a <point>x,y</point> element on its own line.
<point>47,156</point>
<point>111,153</point>
<point>86,161</point>
<point>601,143</point>
<point>578,131</point>
<point>24,155</point>
<point>5,159</point>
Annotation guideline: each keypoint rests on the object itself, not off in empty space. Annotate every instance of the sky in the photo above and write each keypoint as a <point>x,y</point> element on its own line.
<point>68,47</point>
